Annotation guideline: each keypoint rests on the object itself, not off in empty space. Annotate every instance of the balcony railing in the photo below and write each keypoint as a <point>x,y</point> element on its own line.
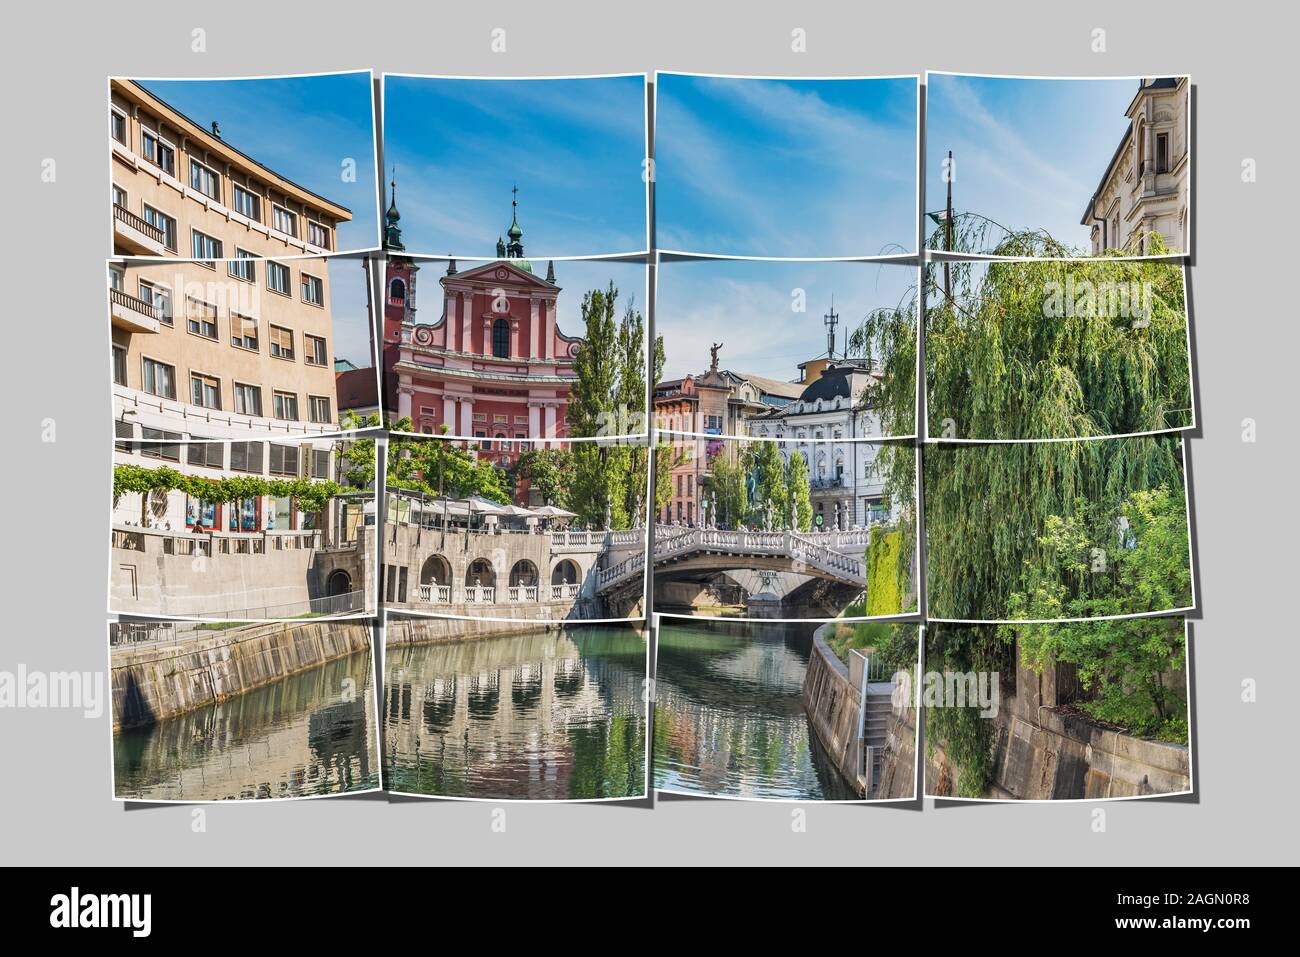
<point>136,304</point>
<point>147,229</point>
<point>480,595</point>
<point>564,592</point>
<point>517,593</point>
<point>435,593</point>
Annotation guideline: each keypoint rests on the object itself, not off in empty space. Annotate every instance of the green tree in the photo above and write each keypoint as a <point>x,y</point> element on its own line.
<point>437,467</point>
<point>799,491</point>
<point>771,503</point>
<point>727,491</point>
<point>550,472</point>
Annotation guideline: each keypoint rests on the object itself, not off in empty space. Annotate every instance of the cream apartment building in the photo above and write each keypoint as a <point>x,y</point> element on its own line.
<point>1146,187</point>
<point>179,190</point>
<point>230,334</point>
<point>199,352</point>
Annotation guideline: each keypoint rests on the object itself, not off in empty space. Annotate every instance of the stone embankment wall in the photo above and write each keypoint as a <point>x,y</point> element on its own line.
<point>1042,754</point>
<point>424,631</point>
<point>156,681</point>
<point>833,705</point>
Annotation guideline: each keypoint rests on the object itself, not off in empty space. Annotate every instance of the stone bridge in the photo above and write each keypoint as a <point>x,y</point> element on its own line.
<point>700,553</point>
<point>507,574</point>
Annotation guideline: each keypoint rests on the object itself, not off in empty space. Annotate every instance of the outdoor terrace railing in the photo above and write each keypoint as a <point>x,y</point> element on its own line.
<point>565,592</point>
<point>209,543</point>
<point>435,593</point>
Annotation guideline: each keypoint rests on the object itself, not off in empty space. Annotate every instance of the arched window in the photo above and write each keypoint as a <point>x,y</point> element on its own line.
<point>397,290</point>
<point>501,339</point>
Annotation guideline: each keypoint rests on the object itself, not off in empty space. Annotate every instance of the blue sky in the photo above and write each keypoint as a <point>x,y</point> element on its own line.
<point>748,307</point>
<point>300,127</point>
<point>786,168</point>
<point>1028,153</point>
<point>574,148</point>
<point>348,309</point>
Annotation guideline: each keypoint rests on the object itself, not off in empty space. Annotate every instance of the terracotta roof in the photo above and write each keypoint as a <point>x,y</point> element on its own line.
<point>357,389</point>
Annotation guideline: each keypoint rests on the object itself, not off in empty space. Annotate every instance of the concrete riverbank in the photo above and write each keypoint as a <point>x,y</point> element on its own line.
<point>157,680</point>
<point>833,706</point>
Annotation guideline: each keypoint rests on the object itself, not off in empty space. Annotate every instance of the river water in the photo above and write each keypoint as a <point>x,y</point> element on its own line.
<point>310,734</point>
<point>729,713</point>
<point>542,715</point>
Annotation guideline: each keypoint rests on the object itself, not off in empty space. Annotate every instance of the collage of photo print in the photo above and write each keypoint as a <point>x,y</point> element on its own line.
<point>578,439</point>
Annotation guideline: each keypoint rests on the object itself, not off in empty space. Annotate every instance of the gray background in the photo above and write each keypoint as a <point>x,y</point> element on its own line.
<point>55,799</point>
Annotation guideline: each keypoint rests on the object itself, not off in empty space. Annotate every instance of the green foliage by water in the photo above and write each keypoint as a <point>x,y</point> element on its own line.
<point>1134,670</point>
<point>998,517</point>
<point>966,736</point>
<point>887,582</point>
<point>1053,349</point>
<point>891,643</point>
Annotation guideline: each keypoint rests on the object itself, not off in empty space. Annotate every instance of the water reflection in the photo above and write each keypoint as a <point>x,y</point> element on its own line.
<point>729,713</point>
<point>541,715</point>
<point>298,737</point>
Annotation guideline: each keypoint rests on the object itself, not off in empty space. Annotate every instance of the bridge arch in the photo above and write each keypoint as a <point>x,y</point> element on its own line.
<point>435,571</point>
<point>339,583</point>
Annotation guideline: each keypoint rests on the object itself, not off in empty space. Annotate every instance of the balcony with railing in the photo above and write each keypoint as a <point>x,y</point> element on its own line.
<point>133,313</point>
<point>131,234</point>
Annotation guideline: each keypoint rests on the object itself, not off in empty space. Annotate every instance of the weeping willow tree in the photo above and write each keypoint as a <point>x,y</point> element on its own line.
<point>1055,349</point>
<point>988,510</point>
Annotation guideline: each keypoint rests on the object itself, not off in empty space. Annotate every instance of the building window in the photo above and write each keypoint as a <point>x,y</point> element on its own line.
<point>158,152</point>
<point>205,179</point>
<point>246,515</point>
<point>277,278</point>
<point>316,352</point>
<point>205,247</point>
<point>283,460</point>
<point>397,292</point>
<point>284,221</point>
<point>501,339</point>
<point>201,318</point>
<point>243,332</point>
<point>119,365</point>
<point>201,514</point>
<point>319,408</point>
<point>119,197</point>
<point>318,235</point>
<point>286,406</point>
<point>117,125</point>
<point>248,399</point>
<point>313,290</point>
<point>116,278</point>
<point>158,378</point>
<point>281,342</point>
<point>1162,152</point>
<point>319,463</point>
<point>160,298</point>
<point>243,266</point>
<point>205,391</point>
<point>169,450</point>
<point>247,203</point>
<point>209,455</point>
<point>164,223</point>
<point>246,457</point>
